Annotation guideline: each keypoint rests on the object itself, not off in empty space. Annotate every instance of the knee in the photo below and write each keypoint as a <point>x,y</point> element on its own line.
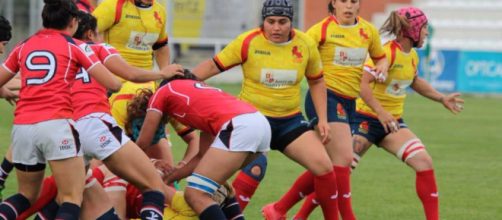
<point>257,168</point>
<point>421,162</point>
<point>321,166</point>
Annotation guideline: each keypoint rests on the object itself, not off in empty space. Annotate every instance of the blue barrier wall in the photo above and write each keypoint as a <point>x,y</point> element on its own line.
<point>463,71</point>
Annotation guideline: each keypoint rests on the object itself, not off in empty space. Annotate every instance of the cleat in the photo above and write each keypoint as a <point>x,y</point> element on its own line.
<point>269,213</point>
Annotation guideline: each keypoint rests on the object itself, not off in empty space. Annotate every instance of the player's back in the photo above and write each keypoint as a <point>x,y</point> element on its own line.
<point>88,96</point>
<point>48,62</point>
<point>198,105</point>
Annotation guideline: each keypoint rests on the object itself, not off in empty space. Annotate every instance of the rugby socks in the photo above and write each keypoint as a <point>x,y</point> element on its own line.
<point>153,205</point>
<point>345,195</point>
<point>245,187</point>
<point>212,212</point>
<point>48,211</point>
<point>303,186</point>
<point>48,193</point>
<point>326,191</point>
<point>68,211</point>
<point>109,215</point>
<point>308,206</point>
<point>248,179</point>
<point>13,205</point>
<point>231,209</point>
<point>427,192</point>
<point>5,169</point>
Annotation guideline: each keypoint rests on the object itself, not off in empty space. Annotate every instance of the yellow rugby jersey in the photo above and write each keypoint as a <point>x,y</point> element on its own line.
<point>272,72</point>
<point>391,93</point>
<point>343,51</point>
<point>138,31</point>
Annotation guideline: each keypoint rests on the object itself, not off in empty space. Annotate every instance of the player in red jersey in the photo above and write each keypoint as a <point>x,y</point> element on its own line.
<point>229,136</point>
<point>43,130</point>
<point>103,138</point>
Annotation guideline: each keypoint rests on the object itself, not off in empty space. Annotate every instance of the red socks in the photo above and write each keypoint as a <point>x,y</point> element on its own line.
<point>344,193</point>
<point>244,187</point>
<point>327,195</point>
<point>428,193</point>
<point>303,186</point>
<point>308,206</point>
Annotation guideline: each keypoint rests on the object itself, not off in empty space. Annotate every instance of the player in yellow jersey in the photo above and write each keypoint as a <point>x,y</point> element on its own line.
<point>275,58</point>
<point>379,110</point>
<point>344,41</point>
<point>137,29</point>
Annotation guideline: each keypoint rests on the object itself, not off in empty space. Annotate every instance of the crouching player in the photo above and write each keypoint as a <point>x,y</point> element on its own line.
<point>229,136</point>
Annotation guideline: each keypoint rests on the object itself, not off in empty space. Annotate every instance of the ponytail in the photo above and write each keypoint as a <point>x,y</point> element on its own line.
<point>394,24</point>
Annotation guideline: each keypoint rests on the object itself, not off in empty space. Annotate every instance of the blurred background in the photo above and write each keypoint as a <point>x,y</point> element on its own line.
<point>464,52</point>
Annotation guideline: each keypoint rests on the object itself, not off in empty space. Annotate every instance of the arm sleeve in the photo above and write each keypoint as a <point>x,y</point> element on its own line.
<point>12,62</point>
<point>85,56</point>
<point>314,66</point>
<point>163,38</point>
<point>106,52</point>
<point>105,14</point>
<point>156,102</point>
<point>231,55</point>
<point>315,33</point>
<point>376,49</point>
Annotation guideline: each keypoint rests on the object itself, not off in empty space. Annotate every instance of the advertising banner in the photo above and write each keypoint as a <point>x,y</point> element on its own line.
<point>480,72</point>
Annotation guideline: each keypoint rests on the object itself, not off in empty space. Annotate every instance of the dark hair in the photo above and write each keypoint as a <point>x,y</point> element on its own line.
<point>187,74</point>
<point>86,22</point>
<point>331,9</point>
<point>57,14</point>
<point>5,29</point>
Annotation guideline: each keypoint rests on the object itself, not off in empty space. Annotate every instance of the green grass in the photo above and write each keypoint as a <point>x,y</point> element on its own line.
<point>466,150</point>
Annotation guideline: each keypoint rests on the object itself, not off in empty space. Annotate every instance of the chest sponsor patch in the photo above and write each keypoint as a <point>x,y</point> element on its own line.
<point>398,87</point>
<point>275,78</point>
<point>350,56</point>
<point>142,41</point>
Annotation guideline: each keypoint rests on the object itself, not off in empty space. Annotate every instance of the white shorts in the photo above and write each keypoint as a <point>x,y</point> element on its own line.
<point>244,133</point>
<point>100,136</point>
<point>34,144</point>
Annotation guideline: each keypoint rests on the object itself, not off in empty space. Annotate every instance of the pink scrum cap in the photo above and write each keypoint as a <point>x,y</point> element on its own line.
<point>416,18</point>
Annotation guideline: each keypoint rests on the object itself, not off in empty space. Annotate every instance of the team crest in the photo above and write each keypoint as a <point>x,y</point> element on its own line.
<point>364,127</point>
<point>297,54</point>
<point>363,34</point>
<point>157,17</point>
<point>340,112</point>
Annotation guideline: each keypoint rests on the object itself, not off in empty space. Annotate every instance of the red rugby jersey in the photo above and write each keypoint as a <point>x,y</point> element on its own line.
<point>197,105</point>
<point>88,96</point>
<point>48,62</point>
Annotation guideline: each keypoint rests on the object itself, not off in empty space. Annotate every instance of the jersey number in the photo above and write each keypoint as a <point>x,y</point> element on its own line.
<point>49,67</point>
<point>82,74</point>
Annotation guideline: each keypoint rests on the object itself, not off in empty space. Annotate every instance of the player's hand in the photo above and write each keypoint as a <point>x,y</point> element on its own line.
<point>172,70</point>
<point>389,123</point>
<point>453,103</point>
<point>324,131</point>
<point>8,95</point>
<point>380,72</point>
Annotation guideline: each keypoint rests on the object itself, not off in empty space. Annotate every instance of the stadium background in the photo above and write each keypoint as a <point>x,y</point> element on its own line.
<point>464,54</point>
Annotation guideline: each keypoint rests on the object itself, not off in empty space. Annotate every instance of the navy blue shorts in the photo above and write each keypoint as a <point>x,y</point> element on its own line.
<point>287,129</point>
<point>340,109</point>
<point>370,128</point>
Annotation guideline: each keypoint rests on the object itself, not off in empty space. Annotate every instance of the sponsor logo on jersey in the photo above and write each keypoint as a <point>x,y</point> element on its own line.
<point>398,87</point>
<point>297,54</point>
<point>340,112</point>
<point>276,78</point>
<point>262,52</point>
<point>104,141</point>
<point>65,145</point>
<point>350,57</point>
<point>132,16</point>
<point>364,127</point>
<point>337,36</point>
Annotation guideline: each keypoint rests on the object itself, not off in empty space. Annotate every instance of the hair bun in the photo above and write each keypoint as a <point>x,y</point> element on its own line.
<point>55,3</point>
